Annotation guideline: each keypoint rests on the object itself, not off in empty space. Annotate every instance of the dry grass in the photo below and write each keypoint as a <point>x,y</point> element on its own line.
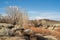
<point>58,29</point>
<point>46,32</point>
<point>40,30</point>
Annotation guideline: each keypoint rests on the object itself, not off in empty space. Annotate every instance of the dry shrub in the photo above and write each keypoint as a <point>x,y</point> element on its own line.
<point>36,30</point>
<point>56,34</point>
<point>58,29</point>
<point>46,32</point>
<point>40,30</point>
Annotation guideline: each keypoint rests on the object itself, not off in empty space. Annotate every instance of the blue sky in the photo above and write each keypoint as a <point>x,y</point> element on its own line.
<point>37,9</point>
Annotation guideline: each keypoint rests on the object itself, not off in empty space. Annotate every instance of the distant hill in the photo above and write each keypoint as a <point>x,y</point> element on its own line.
<point>46,22</point>
<point>50,20</point>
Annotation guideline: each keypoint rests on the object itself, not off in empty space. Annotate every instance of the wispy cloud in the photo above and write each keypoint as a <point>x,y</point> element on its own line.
<point>44,15</point>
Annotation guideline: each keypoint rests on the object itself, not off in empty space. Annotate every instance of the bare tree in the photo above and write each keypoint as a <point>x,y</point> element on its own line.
<point>0,17</point>
<point>13,14</point>
<point>16,16</point>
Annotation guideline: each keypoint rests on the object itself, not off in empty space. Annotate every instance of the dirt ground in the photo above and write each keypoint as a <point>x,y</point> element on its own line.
<point>11,38</point>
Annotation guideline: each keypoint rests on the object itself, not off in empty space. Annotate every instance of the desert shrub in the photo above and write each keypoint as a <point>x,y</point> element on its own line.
<point>41,30</point>
<point>58,29</point>
<point>46,32</point>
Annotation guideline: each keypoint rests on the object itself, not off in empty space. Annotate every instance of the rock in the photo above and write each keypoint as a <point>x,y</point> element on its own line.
<point>3,31</point>
<point>28,31</point>
<point>10,26</point>
<point>50,37</point>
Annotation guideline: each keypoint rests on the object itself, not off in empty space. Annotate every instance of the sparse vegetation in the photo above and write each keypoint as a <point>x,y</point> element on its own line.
<point>15,24</point>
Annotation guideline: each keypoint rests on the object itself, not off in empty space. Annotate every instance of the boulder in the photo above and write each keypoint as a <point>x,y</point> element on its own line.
<point>50,37</point>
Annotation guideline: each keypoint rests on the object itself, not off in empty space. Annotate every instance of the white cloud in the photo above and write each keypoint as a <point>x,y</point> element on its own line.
<point>45,15</point>
<point>41,17</point>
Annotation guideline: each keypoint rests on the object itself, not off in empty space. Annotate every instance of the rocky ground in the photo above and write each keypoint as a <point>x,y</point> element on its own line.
<point>12,38</point>
<point>10,32</point>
